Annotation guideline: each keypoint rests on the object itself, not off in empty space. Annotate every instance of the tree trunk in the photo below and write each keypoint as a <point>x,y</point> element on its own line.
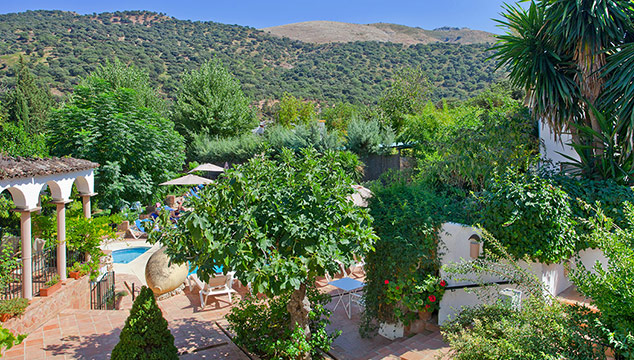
<point>299,307</point>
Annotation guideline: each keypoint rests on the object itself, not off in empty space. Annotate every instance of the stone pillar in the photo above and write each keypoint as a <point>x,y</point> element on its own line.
<point>27,266</point>
<point>85,200</point>
<point>61,238</point>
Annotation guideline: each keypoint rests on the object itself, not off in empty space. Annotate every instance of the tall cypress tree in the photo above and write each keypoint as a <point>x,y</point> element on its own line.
<point>145,334</point>
<point>28,103</point>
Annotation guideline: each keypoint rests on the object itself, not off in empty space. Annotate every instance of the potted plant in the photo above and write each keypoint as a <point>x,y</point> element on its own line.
<point>12,307</point>
<point>51,286</point>
<point>76,271</point>
<point>414,297</point>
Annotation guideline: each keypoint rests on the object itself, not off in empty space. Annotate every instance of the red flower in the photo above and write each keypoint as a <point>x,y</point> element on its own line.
<point>397,288</point>
<point>387,282</point>
<point>432,298</point>
<point>427,307</point>
<point>443,283</point>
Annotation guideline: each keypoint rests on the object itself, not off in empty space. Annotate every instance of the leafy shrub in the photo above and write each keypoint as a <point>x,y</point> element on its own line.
<point>537,331</point>
<point>530,215</point>
<point>15,141</point>
<point>367,137</point>
<point>338,116</point>
<point>310,135</point>
<point>145,334</point>
<point>467,150</point>
<point>407,216</point>
<point>611,288</point>
<point>232,150</point>
<point>262,326</point>
<point>13,307</point>
<point>8,340</point>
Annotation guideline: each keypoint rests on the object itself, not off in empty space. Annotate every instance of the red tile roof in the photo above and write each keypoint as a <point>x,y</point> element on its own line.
<point>21,167</point>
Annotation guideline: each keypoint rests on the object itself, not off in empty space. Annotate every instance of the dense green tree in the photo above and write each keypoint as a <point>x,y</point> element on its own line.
<point>557,51</point>
<point>407,95</point>
<point>211,103</point>
<point>120,75</point>
<point>291,221</point>
<point>295,111</point>
<point>136,147</point>
<point>28,103</point>
<point>145,335</point>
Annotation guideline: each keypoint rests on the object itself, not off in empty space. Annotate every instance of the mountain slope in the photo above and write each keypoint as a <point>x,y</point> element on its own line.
<point>63,47</point>
<point>321,32</point>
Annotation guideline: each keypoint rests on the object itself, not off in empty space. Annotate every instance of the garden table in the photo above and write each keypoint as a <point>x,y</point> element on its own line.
<point>345,286</point>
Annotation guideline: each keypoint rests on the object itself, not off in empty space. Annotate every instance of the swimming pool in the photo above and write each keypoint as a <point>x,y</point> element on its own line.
<point>125,256</point>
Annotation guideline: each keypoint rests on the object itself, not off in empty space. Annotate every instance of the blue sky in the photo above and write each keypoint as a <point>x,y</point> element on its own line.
<point>428,14</point>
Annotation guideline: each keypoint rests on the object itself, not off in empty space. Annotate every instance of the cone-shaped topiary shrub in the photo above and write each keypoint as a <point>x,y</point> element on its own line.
<point>145,334</point>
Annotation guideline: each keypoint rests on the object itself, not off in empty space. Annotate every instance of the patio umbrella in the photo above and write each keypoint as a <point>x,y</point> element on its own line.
<point>361,195</point>
<point>188,180</point>
<point>207,167</point>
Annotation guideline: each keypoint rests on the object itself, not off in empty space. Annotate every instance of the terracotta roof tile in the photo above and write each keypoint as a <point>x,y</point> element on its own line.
<point>21,167</point>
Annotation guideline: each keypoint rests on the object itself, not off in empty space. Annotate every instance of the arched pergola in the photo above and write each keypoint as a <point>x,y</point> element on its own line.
<point>25,178</point>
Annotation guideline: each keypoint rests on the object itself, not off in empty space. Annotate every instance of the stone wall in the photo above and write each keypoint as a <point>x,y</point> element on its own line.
<point>74,294</point>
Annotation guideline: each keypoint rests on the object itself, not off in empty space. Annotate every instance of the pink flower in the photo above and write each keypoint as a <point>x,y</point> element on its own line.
<point>387,282</point>
<point>443,283</point>
<point>432,298</point>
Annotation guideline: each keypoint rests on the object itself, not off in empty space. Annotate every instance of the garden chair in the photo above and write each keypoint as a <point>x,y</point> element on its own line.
<point>341,267</point>
<point>138,230</point>
<point>219,285</point>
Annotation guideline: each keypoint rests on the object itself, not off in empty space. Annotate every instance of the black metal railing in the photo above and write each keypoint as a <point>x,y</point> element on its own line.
<point>102,293</point>
<point>73,257</point>
<point>44,267</point>
<point>13,287</point>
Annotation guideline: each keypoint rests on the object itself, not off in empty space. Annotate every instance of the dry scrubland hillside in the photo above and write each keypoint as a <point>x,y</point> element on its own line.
<point>321,32</point>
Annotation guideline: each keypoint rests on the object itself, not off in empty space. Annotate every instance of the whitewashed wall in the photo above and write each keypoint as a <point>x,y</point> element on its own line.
<point>552,149</point>
<point>455,247</point>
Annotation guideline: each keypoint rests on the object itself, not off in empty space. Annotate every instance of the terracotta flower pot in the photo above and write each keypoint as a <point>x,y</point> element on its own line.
<point>5,317</point>
<point>50,290</point>
<point>75,274</point>
<point>424,315</point>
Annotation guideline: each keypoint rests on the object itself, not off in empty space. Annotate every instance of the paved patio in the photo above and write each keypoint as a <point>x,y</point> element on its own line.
<point>92,334</point>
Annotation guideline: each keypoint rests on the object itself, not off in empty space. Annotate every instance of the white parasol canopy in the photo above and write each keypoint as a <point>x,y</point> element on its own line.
<point>207,167</point>
<point>188,180</point>
<point>361,195</point>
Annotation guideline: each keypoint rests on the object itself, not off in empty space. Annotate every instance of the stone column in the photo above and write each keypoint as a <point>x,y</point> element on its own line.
<point>61,238</point>
<point>85,200</point>
<point>27,266</point>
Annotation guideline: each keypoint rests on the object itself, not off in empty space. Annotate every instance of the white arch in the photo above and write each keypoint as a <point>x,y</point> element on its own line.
<point>85,184</point>
<point>17,196</point>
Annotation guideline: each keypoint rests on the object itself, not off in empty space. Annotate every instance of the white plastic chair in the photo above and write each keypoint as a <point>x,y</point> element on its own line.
<point>341,267</point>
<point>219,285</point>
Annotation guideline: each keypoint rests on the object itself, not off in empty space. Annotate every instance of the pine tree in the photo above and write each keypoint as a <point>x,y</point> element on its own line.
<point>28,104</point>
<point>145,334</point>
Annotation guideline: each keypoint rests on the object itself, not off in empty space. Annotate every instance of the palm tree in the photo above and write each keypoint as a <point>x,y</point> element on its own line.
<point>568,55</point>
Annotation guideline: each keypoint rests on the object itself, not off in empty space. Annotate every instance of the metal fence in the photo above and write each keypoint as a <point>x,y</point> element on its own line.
<point>44,267</point>
<point>102,293</point>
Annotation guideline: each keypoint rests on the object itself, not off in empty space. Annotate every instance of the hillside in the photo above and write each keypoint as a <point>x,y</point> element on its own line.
<point>322,32</point>
<point>63,47</point>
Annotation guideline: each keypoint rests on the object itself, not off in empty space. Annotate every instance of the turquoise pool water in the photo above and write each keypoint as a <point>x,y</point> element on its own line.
<point>217,269</point>
<point>124,256</point>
